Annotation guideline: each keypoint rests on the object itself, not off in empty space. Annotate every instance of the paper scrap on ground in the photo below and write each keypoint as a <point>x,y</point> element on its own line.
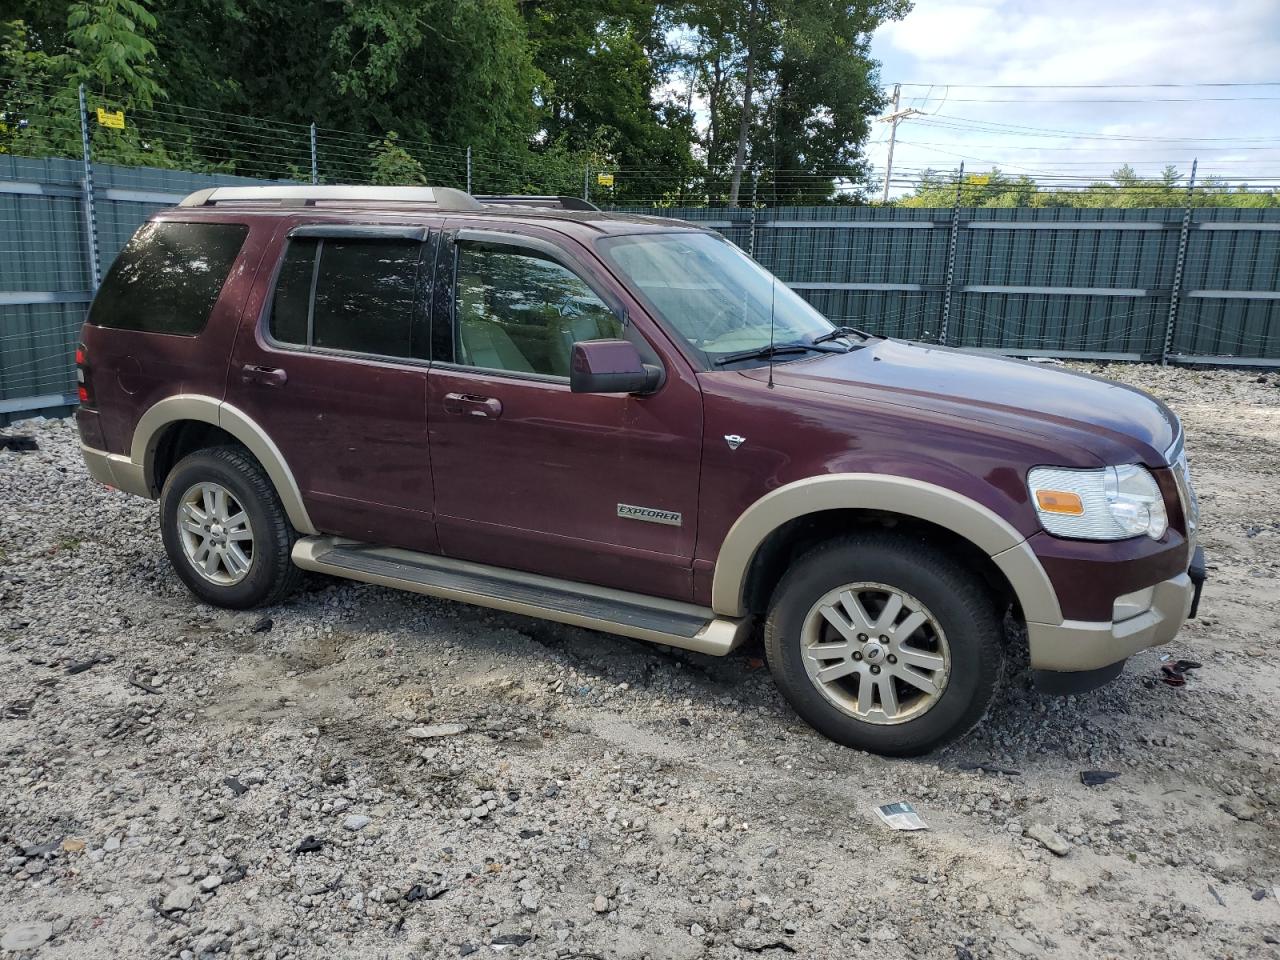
<point>901,816</point>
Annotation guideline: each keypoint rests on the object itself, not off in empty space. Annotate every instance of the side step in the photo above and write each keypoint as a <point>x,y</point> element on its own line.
<point>597,608</point>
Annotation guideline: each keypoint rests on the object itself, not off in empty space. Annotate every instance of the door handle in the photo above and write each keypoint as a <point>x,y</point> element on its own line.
<point>267,376</point>
<point>468,405</point>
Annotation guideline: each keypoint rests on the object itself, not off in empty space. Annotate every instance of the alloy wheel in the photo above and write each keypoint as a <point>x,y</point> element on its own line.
<point>217,537</point>
<point>875,652</point>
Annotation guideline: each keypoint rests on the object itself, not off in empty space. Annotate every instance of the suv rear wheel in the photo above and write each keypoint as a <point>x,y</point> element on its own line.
<point>226,531</point>
<point>884,643</point>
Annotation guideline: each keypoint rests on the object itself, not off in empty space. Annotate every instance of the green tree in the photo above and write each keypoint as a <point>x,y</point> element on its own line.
<point>36,118</point>
<point>1125,189</point>
<point>109,49</point>
<point>735,46</point>
<point>789,86</point>
<point>392,164</point>
<point>105,45</point>
<point>601,64</point>
<point>826,90</point>
<point>445,71</point>
<point>991,189</point>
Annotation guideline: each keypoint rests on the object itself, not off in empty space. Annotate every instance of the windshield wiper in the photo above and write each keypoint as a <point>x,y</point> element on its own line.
<point>767,351</point>
<point>839,332</point>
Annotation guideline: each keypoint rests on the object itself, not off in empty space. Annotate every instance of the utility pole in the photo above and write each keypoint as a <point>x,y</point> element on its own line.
<point>892,119</point>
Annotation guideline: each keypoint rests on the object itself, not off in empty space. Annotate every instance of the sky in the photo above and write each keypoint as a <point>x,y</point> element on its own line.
<point>941,45</point>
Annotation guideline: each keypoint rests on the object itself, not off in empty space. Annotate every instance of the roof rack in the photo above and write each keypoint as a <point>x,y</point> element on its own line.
<point>442,198</point>
<point>558,203</point>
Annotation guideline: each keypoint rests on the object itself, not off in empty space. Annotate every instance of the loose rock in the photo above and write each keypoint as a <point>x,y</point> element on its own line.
<point>180,899</point>
<point>1048,839</point>
<point>437,730</point>
<point>26,936</point>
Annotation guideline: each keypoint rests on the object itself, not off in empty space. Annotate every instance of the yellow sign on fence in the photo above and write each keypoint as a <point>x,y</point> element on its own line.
<point>604,179</point>
<point>111,118</point>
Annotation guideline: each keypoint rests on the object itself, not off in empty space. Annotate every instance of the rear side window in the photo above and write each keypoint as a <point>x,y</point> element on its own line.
<point>289,309</point>
<point>361,299</point>
<point>168,277</point>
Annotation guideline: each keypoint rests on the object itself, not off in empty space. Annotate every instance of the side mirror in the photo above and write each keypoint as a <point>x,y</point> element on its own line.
<point>611,366</point>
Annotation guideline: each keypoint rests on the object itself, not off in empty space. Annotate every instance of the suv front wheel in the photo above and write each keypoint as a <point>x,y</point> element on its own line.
<point>884,643</point>
<point>225,530</point>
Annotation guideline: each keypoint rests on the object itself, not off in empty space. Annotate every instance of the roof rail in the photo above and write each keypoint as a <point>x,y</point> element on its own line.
<point>558,203</point>
<point>443,198</point>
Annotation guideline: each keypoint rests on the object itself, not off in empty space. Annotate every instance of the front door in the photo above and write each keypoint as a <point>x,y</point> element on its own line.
<point>336,373</point>
<point>598,488</point>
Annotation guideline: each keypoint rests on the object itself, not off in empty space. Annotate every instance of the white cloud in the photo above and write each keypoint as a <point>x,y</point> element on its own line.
<point>1086,42</point>
<point>935,35</point>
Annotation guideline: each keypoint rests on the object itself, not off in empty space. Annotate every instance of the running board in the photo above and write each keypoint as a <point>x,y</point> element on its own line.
<point>582,605</point>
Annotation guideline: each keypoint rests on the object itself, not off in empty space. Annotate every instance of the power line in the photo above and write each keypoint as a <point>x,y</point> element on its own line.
<point>993,126</point>
<point>924,98</point>
<point>1074,148</point>
<point>1100,162</point>
<point>1092,86</point>
<point>1044,173</point>
<point>1140,184</point>
<point>1111,99</point>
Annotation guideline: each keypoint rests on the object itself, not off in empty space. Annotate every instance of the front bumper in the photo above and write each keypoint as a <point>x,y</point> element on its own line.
<point>1077,645</point>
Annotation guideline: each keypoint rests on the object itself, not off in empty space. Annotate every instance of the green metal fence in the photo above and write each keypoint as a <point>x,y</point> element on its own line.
<point>54,232</point>
<point>1123,284</point>
<point>1063,282</point>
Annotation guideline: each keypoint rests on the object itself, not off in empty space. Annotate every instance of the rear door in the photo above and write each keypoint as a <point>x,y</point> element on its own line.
<point>335,370</point>
<point>596,488</point>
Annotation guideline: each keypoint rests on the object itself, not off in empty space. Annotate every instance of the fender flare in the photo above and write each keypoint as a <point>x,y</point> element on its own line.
<point>963,516</point>
<point>190,406</point>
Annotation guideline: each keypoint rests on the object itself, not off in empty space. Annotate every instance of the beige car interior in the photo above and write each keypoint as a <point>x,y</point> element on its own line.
<point>500,332</point>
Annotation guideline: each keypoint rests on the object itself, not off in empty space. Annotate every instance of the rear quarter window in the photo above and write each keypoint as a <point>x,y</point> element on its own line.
<point>168,277</point>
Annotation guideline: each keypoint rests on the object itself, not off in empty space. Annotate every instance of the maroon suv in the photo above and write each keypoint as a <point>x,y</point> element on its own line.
<point>626,424</point>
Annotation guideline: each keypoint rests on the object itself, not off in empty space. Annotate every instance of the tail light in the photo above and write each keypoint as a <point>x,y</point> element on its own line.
<point>82,377</point>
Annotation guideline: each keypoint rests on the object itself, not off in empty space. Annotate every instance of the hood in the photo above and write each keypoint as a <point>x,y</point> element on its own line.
<point>1034,398</point>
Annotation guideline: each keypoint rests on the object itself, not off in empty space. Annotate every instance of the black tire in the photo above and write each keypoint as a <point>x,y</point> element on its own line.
<point>959,601</point>
<point>271,576</point>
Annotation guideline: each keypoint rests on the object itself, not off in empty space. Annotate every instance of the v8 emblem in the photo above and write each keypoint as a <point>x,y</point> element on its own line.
<point>734,440</point>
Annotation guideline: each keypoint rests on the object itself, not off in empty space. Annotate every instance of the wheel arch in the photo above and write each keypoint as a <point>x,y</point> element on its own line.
<point>157,426</point>
<point>774,524</point>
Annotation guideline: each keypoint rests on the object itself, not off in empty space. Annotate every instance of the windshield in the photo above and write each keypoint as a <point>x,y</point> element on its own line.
<point>713,295</point>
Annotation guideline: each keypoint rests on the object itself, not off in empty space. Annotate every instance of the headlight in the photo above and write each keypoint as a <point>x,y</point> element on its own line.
<point>1108,504</point>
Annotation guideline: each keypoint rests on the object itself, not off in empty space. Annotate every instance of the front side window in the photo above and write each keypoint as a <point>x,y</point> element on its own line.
<point>719,300</point>
<point>519,311</point>
<point>355,295</point>
<point>168,277</point>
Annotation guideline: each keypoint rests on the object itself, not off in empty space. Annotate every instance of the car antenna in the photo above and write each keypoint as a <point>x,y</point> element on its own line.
<point>773,289</point>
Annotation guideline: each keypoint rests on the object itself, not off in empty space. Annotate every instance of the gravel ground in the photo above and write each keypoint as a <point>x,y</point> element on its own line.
<point>478,783</point>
